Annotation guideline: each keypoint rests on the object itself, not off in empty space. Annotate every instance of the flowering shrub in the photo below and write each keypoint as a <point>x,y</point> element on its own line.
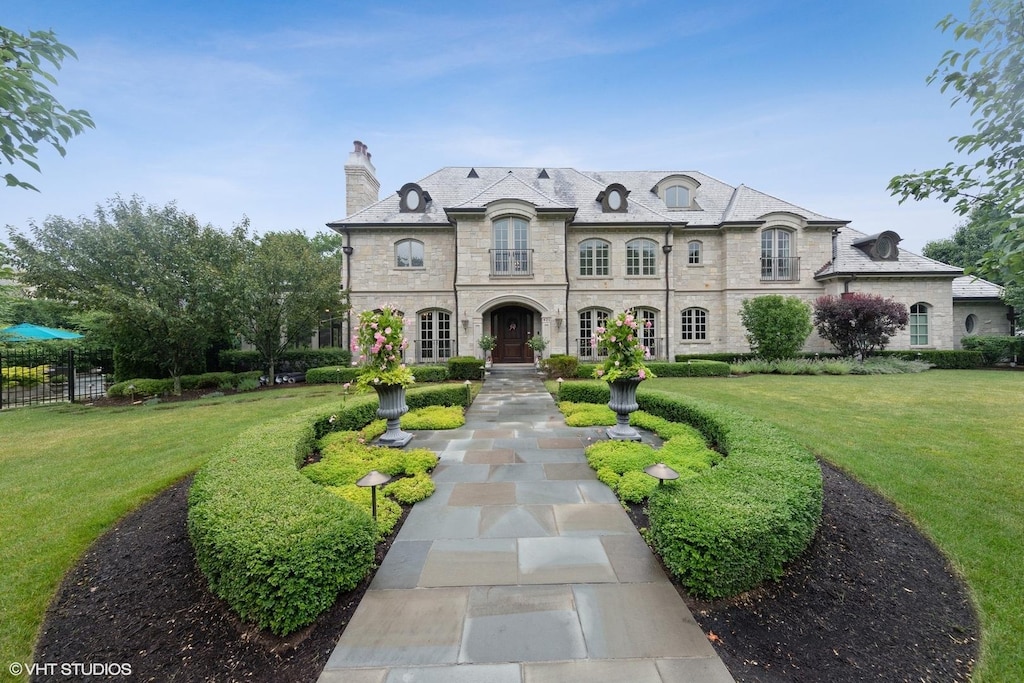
<point>379,344</point>
<point>620,339</point>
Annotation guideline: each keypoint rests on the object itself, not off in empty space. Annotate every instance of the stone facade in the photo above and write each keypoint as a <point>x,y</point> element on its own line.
<point>502,249</point>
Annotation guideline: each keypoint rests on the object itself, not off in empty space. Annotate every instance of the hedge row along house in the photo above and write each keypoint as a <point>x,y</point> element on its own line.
<point>518,252</point>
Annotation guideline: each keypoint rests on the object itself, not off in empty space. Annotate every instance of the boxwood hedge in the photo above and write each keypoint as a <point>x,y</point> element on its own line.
<point>728,530</point>
<point>272,544</point>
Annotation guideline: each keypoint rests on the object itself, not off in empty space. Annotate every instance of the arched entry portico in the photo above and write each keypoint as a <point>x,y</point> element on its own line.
<point>513,326</point>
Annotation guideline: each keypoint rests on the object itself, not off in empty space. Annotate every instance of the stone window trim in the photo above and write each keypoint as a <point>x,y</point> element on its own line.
<point>413,199</point>
<point>594,258</point>
<point>641,258</point>
<point>919,325</point>
<point>694,325</point>
<point>411,250</point>
<point>694,253</point>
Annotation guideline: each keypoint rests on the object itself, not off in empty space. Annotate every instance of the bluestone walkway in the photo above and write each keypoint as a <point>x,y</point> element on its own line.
<point>521,568</point>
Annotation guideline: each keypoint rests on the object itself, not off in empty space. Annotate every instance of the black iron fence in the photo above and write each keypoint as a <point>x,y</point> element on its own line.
<point>35,375</point>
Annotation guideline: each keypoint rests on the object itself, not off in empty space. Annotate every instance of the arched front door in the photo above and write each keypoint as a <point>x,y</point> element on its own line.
<point>512,326</point>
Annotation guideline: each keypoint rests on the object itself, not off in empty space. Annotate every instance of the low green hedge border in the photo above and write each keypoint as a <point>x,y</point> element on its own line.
<point>686,368</point>
<point>292,360</point>
<point>272,544</point>
<point>337,374</point>
<point>141,386</point>
<point>726,531</point>
<point>943,360</point>
<point>735,526</point>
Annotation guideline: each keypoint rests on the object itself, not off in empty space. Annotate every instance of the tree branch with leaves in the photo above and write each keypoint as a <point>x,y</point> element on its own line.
<point>29,113</point>
<point>989,76</point>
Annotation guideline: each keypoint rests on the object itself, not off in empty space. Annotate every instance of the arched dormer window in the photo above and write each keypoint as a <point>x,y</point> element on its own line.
<point>594,258</point>
<point>408,254</point>
<point>677,191</point>
<point>613,199</point>
<point>640,257</point>
<point>413,199</point>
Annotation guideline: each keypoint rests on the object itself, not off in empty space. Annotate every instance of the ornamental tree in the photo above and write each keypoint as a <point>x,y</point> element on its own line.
<point>29,113</point>
<point>858,324</point>
<point>777,326</point>
<point>280,285</point>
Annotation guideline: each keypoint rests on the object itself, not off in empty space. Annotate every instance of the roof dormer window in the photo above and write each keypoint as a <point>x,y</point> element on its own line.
<point>613,199</point>
<point>880,247</point>
<point>678,191</point>
<point>413,199</point>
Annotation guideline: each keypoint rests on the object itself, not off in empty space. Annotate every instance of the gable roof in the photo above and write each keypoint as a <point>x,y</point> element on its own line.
<point>457,187</point>
<point>852,261</point>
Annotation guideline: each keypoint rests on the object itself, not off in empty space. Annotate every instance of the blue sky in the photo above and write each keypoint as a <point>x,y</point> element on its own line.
<point>250,107</point>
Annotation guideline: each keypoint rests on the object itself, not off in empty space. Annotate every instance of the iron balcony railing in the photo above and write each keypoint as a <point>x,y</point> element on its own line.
<point>511,262</point>
<point>780,269</point>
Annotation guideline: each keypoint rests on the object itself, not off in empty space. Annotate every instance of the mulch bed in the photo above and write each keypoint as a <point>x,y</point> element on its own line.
<point>871,600</point>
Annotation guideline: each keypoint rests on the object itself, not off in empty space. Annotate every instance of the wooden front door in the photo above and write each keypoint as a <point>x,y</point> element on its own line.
<point>513,326</point>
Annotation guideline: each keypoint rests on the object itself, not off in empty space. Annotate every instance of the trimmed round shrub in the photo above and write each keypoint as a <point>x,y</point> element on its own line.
<point>388,511</point>
<point>434,417</point>
<point>635,487</point>
<point>409,490</point>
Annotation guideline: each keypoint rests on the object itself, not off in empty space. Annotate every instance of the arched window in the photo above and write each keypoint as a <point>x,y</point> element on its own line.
<point>511,253</point>
<point>435,342</point>
<point>594,257</point>
<point>590,320</point>
<point>919,324</point>
<point>409,254</point>
<point>695,324</point>
<point>777,260</point>
<point>694,252</point>
<point>677,197</point>
<point>640,257</point>
<point>647,318</point>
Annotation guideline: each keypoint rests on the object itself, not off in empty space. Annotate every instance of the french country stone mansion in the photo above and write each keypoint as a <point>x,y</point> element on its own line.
<point>517,252</point>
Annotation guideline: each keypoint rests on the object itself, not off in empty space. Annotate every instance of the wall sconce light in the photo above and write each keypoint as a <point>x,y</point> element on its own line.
<point>373,480</point>
<point>347,250</point>
<point>661,472</point>
<point>465,324</point>
<point>558,318</point>
<point>666,248</point>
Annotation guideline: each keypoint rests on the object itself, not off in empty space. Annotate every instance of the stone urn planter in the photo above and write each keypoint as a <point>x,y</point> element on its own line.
<point>392,407</point>
<point>623,402</point>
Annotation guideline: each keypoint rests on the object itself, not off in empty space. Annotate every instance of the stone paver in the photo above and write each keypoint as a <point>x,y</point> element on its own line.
<point>521,568</point>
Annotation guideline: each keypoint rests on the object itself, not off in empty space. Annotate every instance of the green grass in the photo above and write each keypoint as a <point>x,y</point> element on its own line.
<point>946,446</point>
<point>68,473</point>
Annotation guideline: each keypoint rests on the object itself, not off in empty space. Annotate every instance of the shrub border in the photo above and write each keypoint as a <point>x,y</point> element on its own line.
<point>272,544</point>
<point>726,531</point>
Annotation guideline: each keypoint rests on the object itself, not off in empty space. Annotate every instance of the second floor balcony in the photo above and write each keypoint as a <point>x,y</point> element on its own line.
<point>511,262</point>
<point>780,269</point>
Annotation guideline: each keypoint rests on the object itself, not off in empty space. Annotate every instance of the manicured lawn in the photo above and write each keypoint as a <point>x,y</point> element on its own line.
<point>946,446</point>
<point>68,473</point>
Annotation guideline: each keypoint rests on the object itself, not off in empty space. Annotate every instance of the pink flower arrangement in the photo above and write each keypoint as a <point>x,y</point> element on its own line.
<point>619,338</point>
<point>379,343</point>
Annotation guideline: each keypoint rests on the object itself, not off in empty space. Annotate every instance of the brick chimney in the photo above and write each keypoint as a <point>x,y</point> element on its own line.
<point>361,185</point>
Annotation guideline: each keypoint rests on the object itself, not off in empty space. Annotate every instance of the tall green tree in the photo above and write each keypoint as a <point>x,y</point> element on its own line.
<point>280,287</point>
<point>161,277</point>
<point>969,245</point>
<point>988,75</point>
<point>777,326</point>
<point>29,113</point>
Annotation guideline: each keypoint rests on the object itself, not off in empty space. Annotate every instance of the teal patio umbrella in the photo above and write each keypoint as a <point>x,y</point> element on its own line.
<point>26,332</point>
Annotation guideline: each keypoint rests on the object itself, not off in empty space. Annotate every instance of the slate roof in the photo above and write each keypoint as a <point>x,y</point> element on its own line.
<point>852,261</point>
<point>971,287</point>
<point>566,188</point>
